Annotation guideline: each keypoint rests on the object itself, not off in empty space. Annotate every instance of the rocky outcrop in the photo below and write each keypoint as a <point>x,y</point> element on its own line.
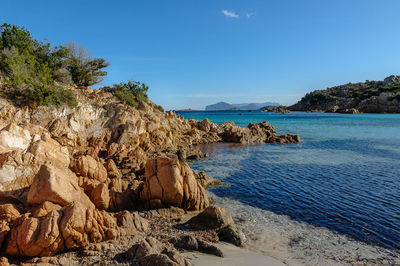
<point>206,181</point>
<point>255,134</point>
<point>363,97</point>
<point>171,183</point>
<point>150,251</point>
<point>214,217</point>
<point>276,109</point>
<point>57,185</point>
<point>71,227</point>
<point>18,167</point>
<point>190,243</point>
<point>87,166</point>
<point>71,177</point>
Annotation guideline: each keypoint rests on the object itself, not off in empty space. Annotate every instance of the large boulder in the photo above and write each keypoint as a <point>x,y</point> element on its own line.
<point>150,251</point>
<point>87,166</point>
<point>171,183</point>
<point>189,242</point>
<point>71,227</point>
<point>212,217</point>
<point>58,185</point>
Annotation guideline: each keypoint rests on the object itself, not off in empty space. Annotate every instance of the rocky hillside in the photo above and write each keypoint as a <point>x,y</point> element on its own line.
<point>71,177</point>
<point>364,97</point>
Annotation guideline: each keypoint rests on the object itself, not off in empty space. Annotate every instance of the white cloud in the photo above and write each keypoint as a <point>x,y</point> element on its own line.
<point>249,15</point>
<point>230,14</point>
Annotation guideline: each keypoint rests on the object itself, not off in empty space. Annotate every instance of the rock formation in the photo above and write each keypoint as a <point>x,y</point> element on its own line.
<point>72,177</point>
<point>363,97</point>
<point>276,109</point>
<point>214,217</point>
<point>171,183</point>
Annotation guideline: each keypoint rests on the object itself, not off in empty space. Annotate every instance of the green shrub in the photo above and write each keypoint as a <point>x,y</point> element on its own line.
<point>316,97</point>
<point>390,88</point>
<point>131,92</point>
<point>85,70</point>
<point>30,68</point>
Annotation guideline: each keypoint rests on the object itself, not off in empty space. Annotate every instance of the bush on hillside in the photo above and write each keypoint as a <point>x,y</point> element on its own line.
<point>30,68</point>
<point>316,97</point>
<point>132,92</point>
<point>85,70</point>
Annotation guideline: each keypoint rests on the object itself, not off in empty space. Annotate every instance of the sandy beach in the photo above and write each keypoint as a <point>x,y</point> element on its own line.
<point>233,256</point>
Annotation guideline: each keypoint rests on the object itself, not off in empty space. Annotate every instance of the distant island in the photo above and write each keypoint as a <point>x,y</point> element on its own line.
<point>363,97</point>
<point>186,110</point>
<point>222,106</point>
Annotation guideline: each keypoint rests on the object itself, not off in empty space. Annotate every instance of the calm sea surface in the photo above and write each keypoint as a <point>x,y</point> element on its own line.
<point>344,176</point>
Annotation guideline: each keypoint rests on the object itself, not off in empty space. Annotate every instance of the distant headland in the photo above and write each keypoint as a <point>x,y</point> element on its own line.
<point>222,106</point>
<point>363,97</point>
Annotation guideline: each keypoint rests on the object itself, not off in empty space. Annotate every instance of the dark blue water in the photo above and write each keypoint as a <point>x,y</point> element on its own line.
<point>344,176</point>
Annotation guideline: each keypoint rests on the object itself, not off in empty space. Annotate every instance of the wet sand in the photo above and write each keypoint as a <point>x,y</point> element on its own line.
<point>234,256</point>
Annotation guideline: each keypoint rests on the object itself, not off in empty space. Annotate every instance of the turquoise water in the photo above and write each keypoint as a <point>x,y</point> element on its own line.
<point>344,176</point>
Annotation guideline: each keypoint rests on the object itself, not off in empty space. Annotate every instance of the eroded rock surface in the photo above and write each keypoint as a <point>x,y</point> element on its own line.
<point>71,227</point>
<point>171,183</point>
<point>214,217</point>
<point>73,177</point>
<point>150,251</point>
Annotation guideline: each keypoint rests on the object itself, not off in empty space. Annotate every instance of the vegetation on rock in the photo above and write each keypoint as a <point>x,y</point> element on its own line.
<point>85,70</point>
<point>31,68</point>
<point>35,72</point>
<point>368,96</point>
<point>132,92</point>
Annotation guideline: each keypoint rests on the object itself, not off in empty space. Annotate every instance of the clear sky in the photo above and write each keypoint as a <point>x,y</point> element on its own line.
<point>194,53</point>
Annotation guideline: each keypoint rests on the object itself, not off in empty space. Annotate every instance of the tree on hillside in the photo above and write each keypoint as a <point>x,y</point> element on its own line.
<point>85,70</point>
<point>30,67</point>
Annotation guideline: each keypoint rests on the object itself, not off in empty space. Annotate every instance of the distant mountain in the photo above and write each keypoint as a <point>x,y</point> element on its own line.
<point>219,106</point>
<point>238,106</point>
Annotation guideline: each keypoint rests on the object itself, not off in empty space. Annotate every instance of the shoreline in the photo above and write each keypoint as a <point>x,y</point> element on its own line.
<point>298,243</point>
<point>233,256</point>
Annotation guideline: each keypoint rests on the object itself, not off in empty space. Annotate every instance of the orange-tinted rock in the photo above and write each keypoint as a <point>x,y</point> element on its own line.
<point>58,185</point>
<point>9,212</point>
<point>36,236</point>
<point>50,151</point>
<point>87,166</point>
<point>4,261</point>
<point>44,208</point>
<point>112,169</point>
<point>100,196</point>
<point>73,226</point>
<point>171,183</point>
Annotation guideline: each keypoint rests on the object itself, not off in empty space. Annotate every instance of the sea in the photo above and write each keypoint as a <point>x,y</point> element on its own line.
<point>333,199</point>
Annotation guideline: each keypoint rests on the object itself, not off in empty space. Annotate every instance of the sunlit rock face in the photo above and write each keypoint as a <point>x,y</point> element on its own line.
<point>71,177</point>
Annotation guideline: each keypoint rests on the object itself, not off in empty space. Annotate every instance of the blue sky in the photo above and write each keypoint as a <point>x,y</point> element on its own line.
<point>194,53</point>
